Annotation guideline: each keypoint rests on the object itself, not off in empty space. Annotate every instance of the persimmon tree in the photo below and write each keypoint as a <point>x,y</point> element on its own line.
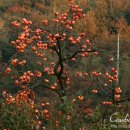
<point>54,57</point>
<point>53,48</point>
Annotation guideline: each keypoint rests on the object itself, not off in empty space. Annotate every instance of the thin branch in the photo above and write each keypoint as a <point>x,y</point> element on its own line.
<point>73,55</point>
<point>48,88</point>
